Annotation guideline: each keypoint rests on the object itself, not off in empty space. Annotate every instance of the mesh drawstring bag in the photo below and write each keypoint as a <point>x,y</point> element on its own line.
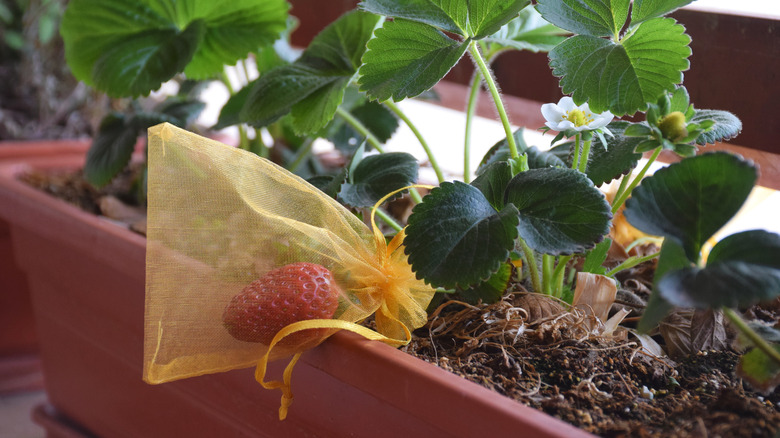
<point>224,225</point>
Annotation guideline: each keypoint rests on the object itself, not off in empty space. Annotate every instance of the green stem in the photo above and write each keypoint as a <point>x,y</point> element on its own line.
<point>622,187</point>
<point>754,337</point>
<point>431,158</point>
<point>584,156</point>
<point>372,140</point>
<point>471,109</point>
<point>388,220</point>
<point>619,201</point>
<point>361,128</point>
<point>576,161</point>
<point>558,274</point>
<point>301,154</point>
<point>547,273</point>
<point>630,263</point>
<point>533,270</point>
<point>491,84</point>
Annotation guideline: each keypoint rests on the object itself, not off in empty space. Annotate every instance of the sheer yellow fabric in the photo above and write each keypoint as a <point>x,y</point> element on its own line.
<point>218,219</point>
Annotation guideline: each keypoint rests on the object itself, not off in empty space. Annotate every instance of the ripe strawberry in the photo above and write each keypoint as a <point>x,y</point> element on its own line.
<point>285,295</point>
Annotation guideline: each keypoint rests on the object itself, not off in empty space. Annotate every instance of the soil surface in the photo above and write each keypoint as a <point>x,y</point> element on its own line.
<point>608,386</point>
<point>530,348</point>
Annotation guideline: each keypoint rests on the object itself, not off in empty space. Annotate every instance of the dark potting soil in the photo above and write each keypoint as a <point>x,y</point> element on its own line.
<point>530,349</point>
<point>608,386</point>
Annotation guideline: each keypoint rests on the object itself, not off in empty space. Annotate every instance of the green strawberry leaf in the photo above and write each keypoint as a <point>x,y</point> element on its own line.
<point>759,369</point>
<point>429,12</point>
<point>130,47</point>
<point>406,58</point>
<point>141,64</point>
<point>491,290</point>
<point>756,247</point>
<point>379,120</point>
<point>469,18</point>
<point>528,31</point>
<point>329,184</point>
<point>598,18</point>
<point>492,182</point>
<point>724,284</point>
<point>229,115</point>
<point>623,77</point>
<point>561,211</point>
<point>616,158</point>
<point>538,159</point>
<point>312,87</point>
<point>456,238</point>
<point>691,200</point>
<point>500,150</point>
<point>235,28</point>
<point>726,127</point>
<point>646,9</point>
<point>596,257</point>
<point>184,110</point>
<point>111,149</point>
<point>377,175</point>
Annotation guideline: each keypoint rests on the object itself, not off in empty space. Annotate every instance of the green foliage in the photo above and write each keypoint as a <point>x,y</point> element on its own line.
<point>377,175</point>
<point>561,212</point>
<point>759,369</point>
<point>691,200</point>
<point>312,88</point>
<point>468,18</point>
<point>113,145</point>
<point>490,290</point>
<point>528,31</point>
<point>410,54</point>
<point>725,126</point>
<point>456,238</point>
<point>130,47</point>
<point>407,58</point>
<point>374,116</point>
<point>609,161</point>
<point>596,257</point>
<point>623,76</point>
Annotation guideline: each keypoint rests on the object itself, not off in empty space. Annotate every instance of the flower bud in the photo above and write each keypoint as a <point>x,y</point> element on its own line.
<point>672,126</point>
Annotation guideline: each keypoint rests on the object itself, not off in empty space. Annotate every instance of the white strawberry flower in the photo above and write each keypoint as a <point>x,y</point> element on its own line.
<point>566,115</point>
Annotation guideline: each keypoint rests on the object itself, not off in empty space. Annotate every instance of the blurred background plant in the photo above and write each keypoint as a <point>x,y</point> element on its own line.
<point>39,97</point>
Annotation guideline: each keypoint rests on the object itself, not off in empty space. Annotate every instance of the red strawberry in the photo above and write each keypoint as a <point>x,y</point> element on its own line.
<point>285,295</point>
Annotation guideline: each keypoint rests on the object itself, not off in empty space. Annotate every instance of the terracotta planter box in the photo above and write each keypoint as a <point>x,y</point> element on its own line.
<point>19,367</point>
<point>86,277</point>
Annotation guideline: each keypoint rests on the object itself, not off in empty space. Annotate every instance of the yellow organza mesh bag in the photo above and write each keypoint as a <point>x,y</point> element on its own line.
<point>224,225</point>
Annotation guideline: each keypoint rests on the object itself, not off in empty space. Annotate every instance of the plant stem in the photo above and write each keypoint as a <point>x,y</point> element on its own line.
<point>622,187</point>
<point>431,158</point>
<point>533,269</point>
<point>388,220</point>
<point>361,128</point>
<point>372,140</point>
<point>584,156</point>
<point>630,263</point>
<point>301,154</point>
<point>491,84</point>
<point>635,182</point>
<point>575,162</point>
<point>754,337</point>
<point>557,276</point>
<point>471,109</point>
<point>547,273</point>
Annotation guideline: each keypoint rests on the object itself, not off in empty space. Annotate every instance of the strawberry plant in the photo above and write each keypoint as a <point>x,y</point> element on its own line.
<point>527,212</point>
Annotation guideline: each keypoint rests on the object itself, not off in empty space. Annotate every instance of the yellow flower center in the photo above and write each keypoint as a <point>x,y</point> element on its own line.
<point>578,117</point>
